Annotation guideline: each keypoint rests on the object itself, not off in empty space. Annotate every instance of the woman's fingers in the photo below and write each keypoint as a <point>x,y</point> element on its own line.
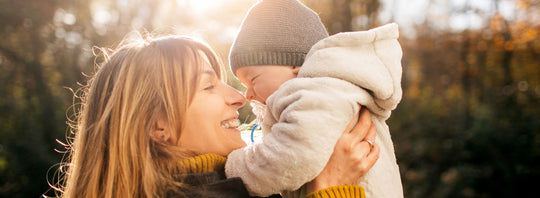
<point>353,156</point>
<point>373,155</point>
<point>363,149</point>
<point>368,157</point>
<point>372,133</point>
<point>371,158</point>
<point>362,128</point>
<point>353,120</point>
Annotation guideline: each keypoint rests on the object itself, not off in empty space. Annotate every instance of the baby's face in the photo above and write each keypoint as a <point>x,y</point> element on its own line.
<point>263,80</point>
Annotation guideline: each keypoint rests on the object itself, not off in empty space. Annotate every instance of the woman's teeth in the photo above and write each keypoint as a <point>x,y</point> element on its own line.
<point>231,124</point>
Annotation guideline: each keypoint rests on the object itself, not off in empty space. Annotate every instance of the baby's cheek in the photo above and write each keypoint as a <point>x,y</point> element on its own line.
<point>258,91</point>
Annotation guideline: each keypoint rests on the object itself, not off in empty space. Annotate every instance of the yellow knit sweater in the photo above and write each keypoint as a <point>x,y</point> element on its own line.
<point>216,163</point>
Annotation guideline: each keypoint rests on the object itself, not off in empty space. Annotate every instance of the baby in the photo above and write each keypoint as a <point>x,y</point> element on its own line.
<point>313,85</point>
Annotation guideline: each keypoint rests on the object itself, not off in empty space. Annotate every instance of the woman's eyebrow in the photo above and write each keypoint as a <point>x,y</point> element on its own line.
<point>208,72</point>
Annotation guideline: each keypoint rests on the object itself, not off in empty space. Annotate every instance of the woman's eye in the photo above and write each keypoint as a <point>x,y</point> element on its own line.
<point>208,87</point>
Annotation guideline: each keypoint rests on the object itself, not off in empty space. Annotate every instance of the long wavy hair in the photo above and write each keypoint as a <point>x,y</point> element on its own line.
<point>113,153</point>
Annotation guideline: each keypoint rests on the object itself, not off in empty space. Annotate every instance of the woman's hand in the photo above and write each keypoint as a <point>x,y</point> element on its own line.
<point>352,158</point>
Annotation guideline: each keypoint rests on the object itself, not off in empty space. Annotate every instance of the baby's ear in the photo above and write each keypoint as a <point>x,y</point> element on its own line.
<point>296,69</point>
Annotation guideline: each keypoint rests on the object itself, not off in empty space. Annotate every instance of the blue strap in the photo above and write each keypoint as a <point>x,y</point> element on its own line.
<point>252,131</point>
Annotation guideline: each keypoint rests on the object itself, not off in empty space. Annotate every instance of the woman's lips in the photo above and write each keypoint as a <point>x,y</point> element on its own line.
<point>231,123</point>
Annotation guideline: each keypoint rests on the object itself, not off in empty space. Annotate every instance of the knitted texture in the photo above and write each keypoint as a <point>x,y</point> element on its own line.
<point>339,191</point>
<point>215,163</point>
<point>276,32</point>
<point>203,163</point>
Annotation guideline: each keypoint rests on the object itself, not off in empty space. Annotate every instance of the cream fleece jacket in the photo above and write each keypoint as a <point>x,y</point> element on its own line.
<point>307,115</point>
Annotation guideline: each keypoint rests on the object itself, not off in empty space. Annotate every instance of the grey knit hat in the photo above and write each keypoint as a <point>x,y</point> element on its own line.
<point>276,32</point>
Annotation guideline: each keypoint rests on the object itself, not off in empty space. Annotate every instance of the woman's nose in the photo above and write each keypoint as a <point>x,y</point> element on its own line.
<point>235,98</point>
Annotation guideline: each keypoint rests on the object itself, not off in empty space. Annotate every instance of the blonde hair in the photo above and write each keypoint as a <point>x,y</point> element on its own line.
<point>113,154</point>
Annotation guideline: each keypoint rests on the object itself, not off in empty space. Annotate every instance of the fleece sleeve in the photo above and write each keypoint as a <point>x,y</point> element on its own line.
<point>306,117</point>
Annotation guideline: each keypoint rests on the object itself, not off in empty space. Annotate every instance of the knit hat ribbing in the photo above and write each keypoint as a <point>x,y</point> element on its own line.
<point>276,32</point>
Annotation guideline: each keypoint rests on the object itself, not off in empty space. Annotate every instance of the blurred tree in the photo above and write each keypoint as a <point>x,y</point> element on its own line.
<point>467,125</point>
<point>347,15</point>
<point>30,111</point>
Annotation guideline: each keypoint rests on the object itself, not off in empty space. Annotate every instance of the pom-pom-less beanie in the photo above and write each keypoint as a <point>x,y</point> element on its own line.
<point>276,32</point>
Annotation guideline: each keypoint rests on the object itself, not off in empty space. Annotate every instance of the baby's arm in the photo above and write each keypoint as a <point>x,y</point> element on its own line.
<point>306,117</point>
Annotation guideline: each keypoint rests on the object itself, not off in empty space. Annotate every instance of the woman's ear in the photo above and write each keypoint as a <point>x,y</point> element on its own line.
<point>161,131</point>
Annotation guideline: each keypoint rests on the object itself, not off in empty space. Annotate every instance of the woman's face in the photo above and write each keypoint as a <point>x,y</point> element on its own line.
<point>212,117</point>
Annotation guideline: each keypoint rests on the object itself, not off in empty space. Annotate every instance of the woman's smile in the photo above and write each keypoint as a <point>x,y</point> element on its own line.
<point>230,124</point>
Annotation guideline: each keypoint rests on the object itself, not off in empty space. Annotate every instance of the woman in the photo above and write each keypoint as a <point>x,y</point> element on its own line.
<point>157,121</point>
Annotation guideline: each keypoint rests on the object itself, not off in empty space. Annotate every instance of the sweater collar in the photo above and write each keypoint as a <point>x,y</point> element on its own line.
<point>203,163</point>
